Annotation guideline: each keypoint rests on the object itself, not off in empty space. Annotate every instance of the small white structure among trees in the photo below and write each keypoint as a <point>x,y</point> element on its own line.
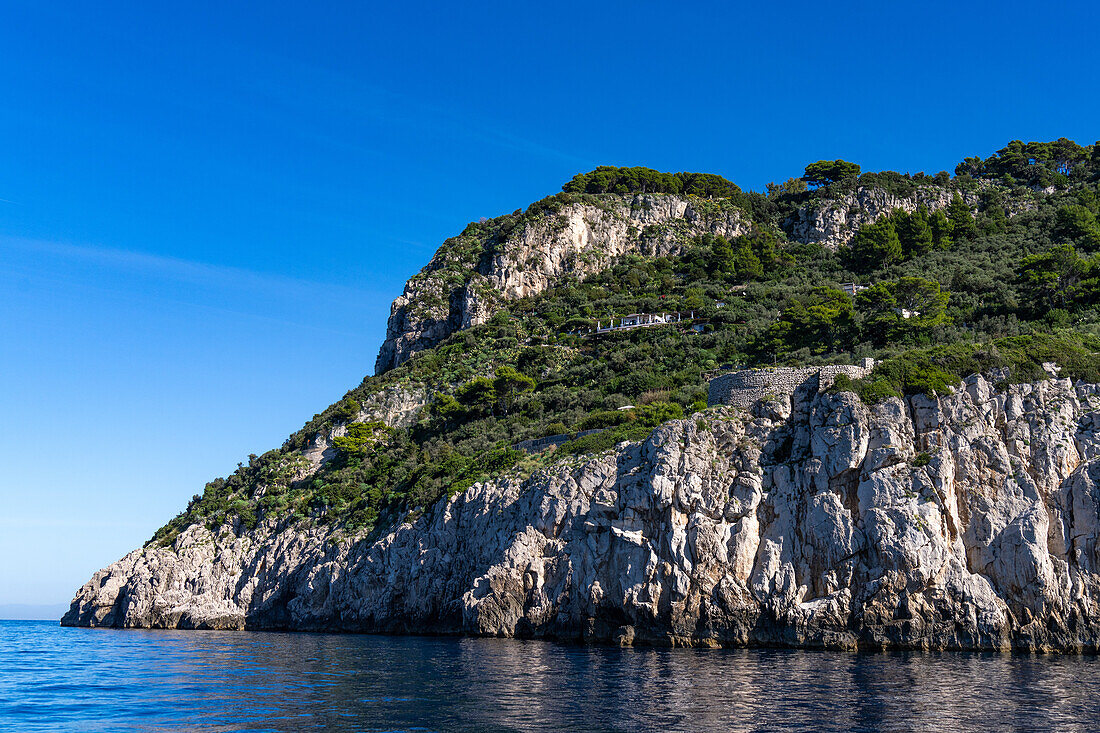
<point>640,320</point>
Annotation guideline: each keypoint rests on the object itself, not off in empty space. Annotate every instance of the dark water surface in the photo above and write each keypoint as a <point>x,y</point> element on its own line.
<point>91,680</point>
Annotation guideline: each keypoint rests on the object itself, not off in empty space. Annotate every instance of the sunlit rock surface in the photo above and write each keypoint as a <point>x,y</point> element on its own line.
<point>964,522</point>
<point>460,288</point>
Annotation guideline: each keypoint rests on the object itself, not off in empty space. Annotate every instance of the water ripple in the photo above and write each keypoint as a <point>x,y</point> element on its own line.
<point>109,680</point>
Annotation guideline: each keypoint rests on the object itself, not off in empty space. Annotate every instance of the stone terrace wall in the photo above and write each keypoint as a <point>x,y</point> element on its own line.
<point>743,389</point>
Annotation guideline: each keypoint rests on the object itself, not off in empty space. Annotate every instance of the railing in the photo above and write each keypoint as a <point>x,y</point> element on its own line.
<point>642,320</point>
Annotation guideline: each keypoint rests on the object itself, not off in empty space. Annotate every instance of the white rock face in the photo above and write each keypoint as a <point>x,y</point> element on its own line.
<point>398,406</point>
<point>834,223</point>
<point>965,522</point>
<point>467,280</point>
<point>580,239</point>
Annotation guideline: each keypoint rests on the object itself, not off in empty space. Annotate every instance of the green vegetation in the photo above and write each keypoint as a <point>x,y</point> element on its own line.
<point>936,370</point>
<point>902,236</point>
<point>1005,277</point>
<point>608,179</point>
<point>1035,164</point>
<point>829,171</point>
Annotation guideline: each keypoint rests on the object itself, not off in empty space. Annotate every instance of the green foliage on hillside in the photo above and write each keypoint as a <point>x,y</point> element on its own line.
<point>902,236</point>
<point>609,179</point>
<point>1036,164</point>
<point>1004,277</point>
<point>829,171</point>
<point>937,369</point>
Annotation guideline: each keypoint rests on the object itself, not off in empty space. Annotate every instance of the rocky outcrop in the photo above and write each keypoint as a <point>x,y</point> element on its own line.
<point>396,405</point>
<point>970,521</point>
<point>467,278</point>
<point>833,223</point>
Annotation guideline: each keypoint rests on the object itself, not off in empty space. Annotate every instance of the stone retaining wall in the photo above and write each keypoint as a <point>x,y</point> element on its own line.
<point>743,389</point>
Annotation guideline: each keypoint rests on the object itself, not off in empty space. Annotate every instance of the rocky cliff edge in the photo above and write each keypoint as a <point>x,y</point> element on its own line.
<point>969,521</point>
<point>471,274</point>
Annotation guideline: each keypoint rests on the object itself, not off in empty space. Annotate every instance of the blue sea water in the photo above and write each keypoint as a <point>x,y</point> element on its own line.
<point>104,680</point>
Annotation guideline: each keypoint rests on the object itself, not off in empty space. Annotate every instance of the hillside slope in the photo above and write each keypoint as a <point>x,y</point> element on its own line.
<point>494,345</point>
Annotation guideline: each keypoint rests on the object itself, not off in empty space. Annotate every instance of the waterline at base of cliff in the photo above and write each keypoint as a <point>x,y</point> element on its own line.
<point>163,680</point>
<point>968,522</point>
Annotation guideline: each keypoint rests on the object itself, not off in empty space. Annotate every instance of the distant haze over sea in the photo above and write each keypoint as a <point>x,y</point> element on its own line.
<point>32,611</point>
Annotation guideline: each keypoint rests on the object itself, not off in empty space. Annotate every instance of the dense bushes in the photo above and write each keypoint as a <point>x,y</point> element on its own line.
<point>609,179</point>
<point>901,311</point>
<point>948,294</point>
<point>1036,164</point>
<point>902,235</point>
<point>606,440</point>
<point>905,311</point>
<point>938,369</point>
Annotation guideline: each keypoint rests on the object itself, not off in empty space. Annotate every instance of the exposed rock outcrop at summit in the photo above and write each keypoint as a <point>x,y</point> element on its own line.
<point>969,521</point>
<point>471,274</point>
<point>833,223</point>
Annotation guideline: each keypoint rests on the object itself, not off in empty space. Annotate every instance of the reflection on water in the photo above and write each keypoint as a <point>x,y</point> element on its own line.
<point>80,679</point>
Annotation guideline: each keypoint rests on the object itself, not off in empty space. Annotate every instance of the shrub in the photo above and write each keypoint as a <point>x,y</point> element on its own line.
<point>654,414</point>
<point>871,392</point>
<point>604,419</point>
<point>938,370</point>
<point>346,409</point>
<point>606,440</point>
<point>246,512</point>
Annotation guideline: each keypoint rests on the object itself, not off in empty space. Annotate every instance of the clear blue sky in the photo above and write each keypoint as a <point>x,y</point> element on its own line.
<point>206,210</point>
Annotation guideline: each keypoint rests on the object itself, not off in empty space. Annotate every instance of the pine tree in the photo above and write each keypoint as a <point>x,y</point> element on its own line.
<point>941,230</point>
<point>962,222</point>
<point>913,232</point>
<point>875,245</point>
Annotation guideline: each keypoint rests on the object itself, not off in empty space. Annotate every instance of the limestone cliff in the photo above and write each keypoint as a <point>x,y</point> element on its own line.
<point>398,406</point>
<point>969,521</point>
<point>472,273</point>
<point>833,223</point>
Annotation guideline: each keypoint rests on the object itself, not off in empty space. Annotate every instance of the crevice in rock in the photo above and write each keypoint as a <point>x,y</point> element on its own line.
<point>846,486</point>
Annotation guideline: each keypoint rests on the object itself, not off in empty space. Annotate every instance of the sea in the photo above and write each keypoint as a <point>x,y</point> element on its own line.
<point>62,679</point>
